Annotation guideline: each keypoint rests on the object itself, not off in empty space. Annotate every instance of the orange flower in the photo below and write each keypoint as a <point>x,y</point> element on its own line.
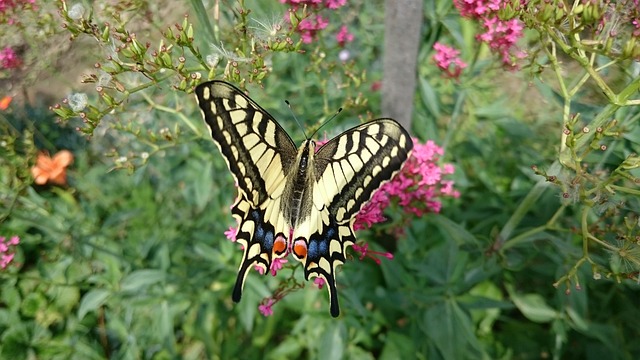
<point>52,170</point>
<point>4,102</point>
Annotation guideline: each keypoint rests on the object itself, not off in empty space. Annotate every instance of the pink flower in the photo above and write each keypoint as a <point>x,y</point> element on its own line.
<point>475,8</point>
<point>447,60</point>
<point>14,240</point>
<point>276,265</point>
<point>417,188</point>
<point>319,282</point>
<point>14,7</point>
<point>6,259</point>
<point>311,22</point>
<point>344,36</point>
<point>335,4</point>
<point>309,27</point>
<point>231,233</point>
<point>9,59</point>
<point>6,253</point>
<point>365,252</point>
<point>265,307</point>
<point>6,5</point>
<point>500,35</point>
<point>329,4</point>
<point>371,213</point>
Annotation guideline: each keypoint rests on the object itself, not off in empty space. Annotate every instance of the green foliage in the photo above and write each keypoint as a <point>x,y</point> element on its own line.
<point>527,263</point>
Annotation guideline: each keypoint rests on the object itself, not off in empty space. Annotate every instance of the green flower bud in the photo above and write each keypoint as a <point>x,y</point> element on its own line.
<point>105,33</point>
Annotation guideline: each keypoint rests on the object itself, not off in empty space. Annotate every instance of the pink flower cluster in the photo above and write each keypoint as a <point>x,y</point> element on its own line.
<point>418,187</point>
<point>312,23</point>
<point>344,36</point>
<point>375,255</point>
<point>635,15</point>
<point>276,265</point>
<point>447,60</point>
<point>329,4</point>
<point>8,58</point>
<point>500,35</point>
<point>7,250</point>
<point>310,26</point>
<point>266,307</point>
<point>13,6</point>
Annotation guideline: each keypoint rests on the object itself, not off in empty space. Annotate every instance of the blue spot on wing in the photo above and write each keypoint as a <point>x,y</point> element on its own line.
<point>312,251</point>
<point>263,233</point>
<point>319,243</point>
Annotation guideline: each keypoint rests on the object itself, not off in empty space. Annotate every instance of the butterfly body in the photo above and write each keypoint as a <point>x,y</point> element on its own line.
<point>300,200</point>
<point>297,199</point>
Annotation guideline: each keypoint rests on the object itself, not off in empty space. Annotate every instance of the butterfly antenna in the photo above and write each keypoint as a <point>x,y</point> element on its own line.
<point>327,121</point>
<point>296,119</point>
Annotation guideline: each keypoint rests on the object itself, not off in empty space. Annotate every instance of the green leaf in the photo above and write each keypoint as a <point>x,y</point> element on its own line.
<point>579,322</point>
<point>142,278</point>
<point>397,346</point>
<point>533,306</point>
<point>429,98</point>
<point>9,296</point>
<point>15,342</point>
<point>33,303</point>
<point>451,330</point>
<point>92,301</point>
<point>332,343</point>
<point>453,230</point>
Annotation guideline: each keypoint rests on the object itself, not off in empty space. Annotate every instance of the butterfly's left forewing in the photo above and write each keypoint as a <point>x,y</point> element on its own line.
<point>258,153</point>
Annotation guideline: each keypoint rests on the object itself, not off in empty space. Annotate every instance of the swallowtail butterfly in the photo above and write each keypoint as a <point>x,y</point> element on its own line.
<point>316,193</point>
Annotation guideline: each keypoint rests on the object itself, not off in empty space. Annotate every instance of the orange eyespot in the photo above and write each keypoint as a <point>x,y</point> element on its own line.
<point>300,249</point>
<point>280,245</point>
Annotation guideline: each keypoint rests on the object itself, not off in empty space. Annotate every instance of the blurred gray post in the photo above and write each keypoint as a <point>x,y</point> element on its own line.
<point>402,24</point>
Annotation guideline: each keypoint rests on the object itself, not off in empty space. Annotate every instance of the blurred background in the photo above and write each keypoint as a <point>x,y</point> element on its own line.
<point>521,239</point>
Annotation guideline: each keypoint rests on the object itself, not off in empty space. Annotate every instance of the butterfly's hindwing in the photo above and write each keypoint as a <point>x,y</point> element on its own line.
<point>259,239</point>
<point>317,194</point>
<point>326,248</point>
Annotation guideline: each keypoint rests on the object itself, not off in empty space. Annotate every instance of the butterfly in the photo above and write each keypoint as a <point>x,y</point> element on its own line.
<point>300,200</point>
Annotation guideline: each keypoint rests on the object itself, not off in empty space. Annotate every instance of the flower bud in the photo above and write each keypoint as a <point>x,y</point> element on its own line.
<point>631,162</point>
<point>190,32</point>
<point>106,33</point>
